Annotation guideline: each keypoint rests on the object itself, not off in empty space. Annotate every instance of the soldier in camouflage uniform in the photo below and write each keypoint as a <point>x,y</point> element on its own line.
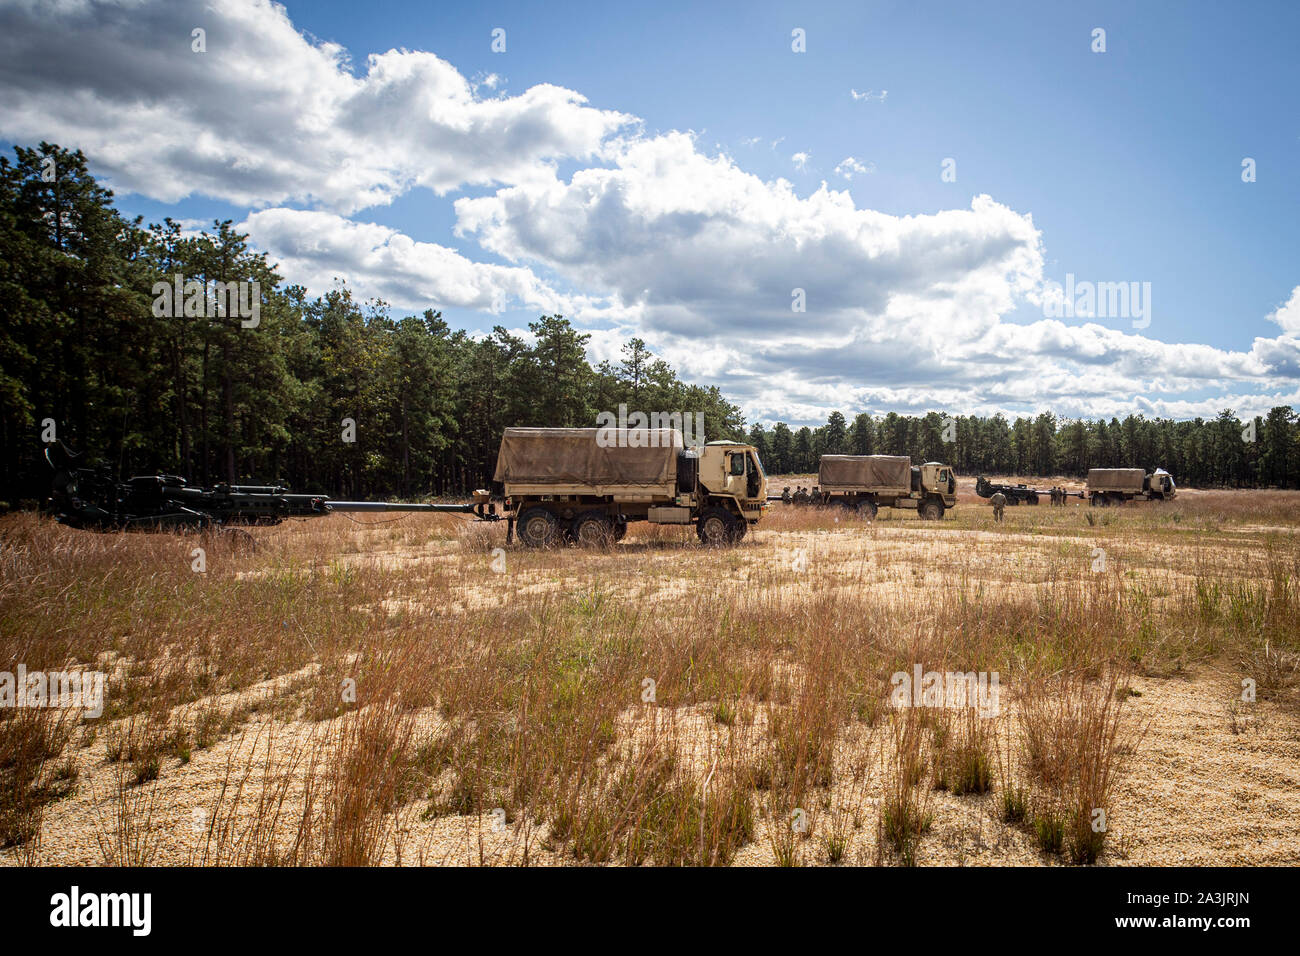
<point>785,495</point>
<point>999,502</point>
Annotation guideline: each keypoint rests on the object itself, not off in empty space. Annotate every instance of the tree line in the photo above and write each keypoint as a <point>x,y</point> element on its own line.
<point>1224,451</point>
<point>335,396</point>
<point>325,394</point>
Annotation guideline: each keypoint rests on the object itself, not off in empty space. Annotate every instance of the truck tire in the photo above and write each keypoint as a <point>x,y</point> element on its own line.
<point>620,530</point>
<point>867,510</point>
<point>716,526</point>
<point>537,528</point>
<point>593,529</point>
<point>932,510</point>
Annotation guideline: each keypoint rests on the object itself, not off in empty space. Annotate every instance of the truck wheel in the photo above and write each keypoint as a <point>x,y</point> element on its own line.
<point>932,510</point>
<point>593,530</point>
<point>537,528</point>
<point>716,527</point>
<point>867,510</point>
<point>620,530</point>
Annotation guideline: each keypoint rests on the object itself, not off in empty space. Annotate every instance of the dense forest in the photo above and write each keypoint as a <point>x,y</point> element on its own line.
<point>208,397</point>
<point>1222,452</point>
<point>332,395</point>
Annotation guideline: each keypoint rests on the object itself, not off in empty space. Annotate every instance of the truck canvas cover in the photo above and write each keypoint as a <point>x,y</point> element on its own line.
<point>575,456</point>
<point>869,471</point>
<point>1122,479</point>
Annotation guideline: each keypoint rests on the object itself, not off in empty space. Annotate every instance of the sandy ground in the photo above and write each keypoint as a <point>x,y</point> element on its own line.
<point>1193,793</point>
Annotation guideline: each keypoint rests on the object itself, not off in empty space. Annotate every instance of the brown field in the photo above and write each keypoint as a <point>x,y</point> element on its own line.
<point>374,691</point>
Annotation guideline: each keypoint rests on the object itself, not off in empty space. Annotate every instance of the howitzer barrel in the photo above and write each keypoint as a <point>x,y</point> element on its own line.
<point>397,506</point>
<point>481,507</point>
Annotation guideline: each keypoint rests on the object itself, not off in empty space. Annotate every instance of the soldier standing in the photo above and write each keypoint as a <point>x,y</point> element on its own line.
<point>999,501</point>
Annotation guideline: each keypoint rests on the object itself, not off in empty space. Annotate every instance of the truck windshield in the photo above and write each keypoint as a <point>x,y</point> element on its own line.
<point>755,465</point>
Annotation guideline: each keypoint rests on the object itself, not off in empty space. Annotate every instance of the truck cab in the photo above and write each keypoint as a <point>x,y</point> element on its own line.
<point>1160,484</point>
<point>732,469</point>
<point>732,472</point>
<point>936,478</point>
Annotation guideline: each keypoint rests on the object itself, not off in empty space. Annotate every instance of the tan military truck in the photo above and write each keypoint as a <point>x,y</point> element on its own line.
<point>866,483</point>
<point>1107,486</point>
<point>585,484</point>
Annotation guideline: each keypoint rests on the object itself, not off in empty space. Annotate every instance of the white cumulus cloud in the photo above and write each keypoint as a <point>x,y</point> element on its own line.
<point>849,166</point>
<point>265,115</point>
<point>647,235</point>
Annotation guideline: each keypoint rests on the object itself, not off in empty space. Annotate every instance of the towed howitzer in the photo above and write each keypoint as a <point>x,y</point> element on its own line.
<point>1016,494</point>
<point>93,499</point>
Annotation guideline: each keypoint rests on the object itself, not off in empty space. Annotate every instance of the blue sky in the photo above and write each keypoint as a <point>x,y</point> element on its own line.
<point>1127,163</point>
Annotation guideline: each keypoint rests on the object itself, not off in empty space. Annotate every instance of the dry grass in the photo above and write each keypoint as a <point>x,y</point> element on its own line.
<point>349,693</point>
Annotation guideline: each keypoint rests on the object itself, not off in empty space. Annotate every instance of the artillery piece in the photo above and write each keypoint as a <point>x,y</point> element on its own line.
<point>1016,494</point>
<point>92,498</point>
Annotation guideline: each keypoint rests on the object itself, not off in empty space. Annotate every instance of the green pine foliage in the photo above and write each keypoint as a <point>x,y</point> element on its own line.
<point>204,397</point>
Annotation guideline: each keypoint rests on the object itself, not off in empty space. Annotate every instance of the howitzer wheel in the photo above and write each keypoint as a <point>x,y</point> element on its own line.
<point>537,528</point>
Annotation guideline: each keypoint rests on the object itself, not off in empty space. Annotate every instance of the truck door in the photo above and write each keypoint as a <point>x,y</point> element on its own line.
<point>755,471</point>
<point>735,472</point>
